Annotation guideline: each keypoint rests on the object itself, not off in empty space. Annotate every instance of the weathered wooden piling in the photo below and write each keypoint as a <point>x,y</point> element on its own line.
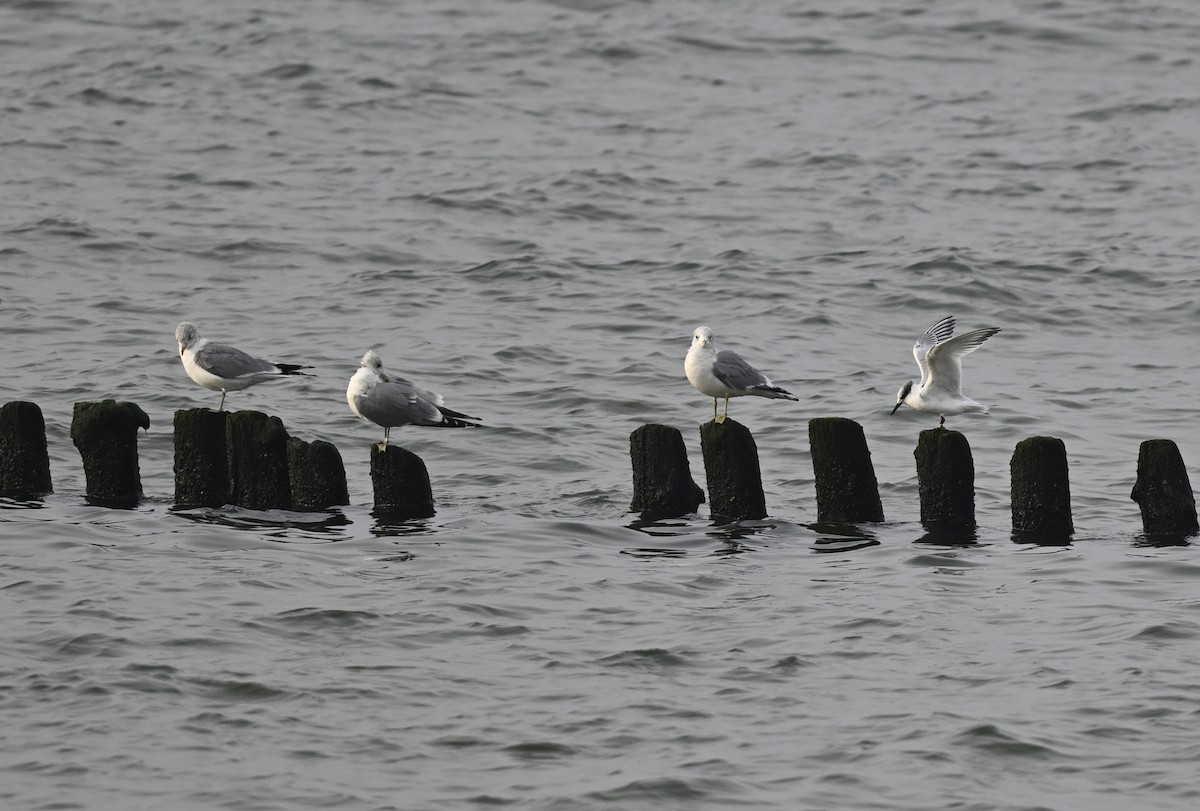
<point>1041,489</point>
<point>662,478</point>
<point>1163,491</point>
<point>847,490</point>
<point>946,479</point>
<point>24,459</point>
<point>201,460</point>
<point>316,474</point>
<point>735,491</point>
<point>106,435</point>
<point>256,449</point>
<point>401,483</point>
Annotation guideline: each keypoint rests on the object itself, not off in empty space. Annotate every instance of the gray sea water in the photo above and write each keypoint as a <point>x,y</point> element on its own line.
<point>529,206</point>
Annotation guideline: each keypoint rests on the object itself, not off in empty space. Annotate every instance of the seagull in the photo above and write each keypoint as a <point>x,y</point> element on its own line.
<point>940,359</point>
<point>389,401</point>
<point>725,374</point>
<point>220,367</point>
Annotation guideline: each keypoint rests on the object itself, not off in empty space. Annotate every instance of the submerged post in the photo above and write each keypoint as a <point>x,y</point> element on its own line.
<point>201,460</point>
<point>106,435</point>
<point>662,478</point>
<point>946,479</point>
<point>1041,489</point>
<point>847,490</point>
<point>735,490</point>
<point>256,448</point>
<point>24,459</point>
<point>401,483</point>
<point>1163,491</point>
<point>318,479</point>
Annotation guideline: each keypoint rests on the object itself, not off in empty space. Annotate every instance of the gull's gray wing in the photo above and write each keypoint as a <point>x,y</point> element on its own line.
<point>945,359</point>
<point>939,332</point>
<point>396,401</point>
<point>229,362</point>
<point>734,372</point>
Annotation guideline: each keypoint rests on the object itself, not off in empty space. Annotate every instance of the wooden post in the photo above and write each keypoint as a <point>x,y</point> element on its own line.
<point>201,459</point>
<point>946,479</point>
<point>735,490</point>
<point>401,483</point>
<point>318,479</point>
<point>106,435</point>
<point>662,478</point>
<point>1163,491</point>
<point>24,459</point>
<point>847,491</point>
<point>1041,490</point>
<point>256,447</point>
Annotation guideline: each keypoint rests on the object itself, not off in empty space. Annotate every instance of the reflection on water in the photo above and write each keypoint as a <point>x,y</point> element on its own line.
<point>833,538</point>
<point>1162,541</point>
<point>942,535</point>
<point>21,504</point>
<point>1040,539</point>
<point>388,526</point>
<point>271,522</point>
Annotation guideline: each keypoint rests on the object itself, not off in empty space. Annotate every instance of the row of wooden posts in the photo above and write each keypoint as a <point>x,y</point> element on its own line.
<point>247,459</point>
<point>243,458</point>
<point>848,493</point>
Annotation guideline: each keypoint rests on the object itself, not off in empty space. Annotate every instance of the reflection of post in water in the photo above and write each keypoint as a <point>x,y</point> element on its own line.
<point>1163,491</point>
<point>24,458</point>
<point>834,537</point>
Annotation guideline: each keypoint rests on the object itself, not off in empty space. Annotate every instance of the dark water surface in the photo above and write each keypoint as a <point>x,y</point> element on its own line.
<point>529,206</point>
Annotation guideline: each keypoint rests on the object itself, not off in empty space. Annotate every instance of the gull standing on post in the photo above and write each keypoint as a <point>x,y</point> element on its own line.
<point>940,359</point>
<point>725,374</point>
<point>389,401</point>
<point>223,368</point>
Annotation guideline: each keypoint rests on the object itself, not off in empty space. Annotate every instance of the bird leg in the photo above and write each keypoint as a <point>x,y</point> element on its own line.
<point>724,415</point>
<point>942,424</point>
<point>221,407</point>
<point>386,431</point>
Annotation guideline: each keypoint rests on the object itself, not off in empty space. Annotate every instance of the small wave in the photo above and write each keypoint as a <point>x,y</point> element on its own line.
<point>1139,109</point>
<point>540,750</point>
<point>93,95</point>
<point>322,618</point>
<point>288,71</point>
<point>645,659</point>
<point>993,740</point>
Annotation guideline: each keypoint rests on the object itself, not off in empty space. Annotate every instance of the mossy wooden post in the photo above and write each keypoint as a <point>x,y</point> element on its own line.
<point>256,447</point>
<point>401,483</point>
<point>946,479</point>
<point>317,476</point>
<point>1041,489</point>
<point>201,460</point>
<point>106,435</point>
<point>24,459</point>
<point>735,491</point>
<point>1163,491</point>
<point>847,491</point>
<point>662,477</point>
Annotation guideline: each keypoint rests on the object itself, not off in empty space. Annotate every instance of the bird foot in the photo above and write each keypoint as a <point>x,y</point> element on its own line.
<point>719,420</point>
